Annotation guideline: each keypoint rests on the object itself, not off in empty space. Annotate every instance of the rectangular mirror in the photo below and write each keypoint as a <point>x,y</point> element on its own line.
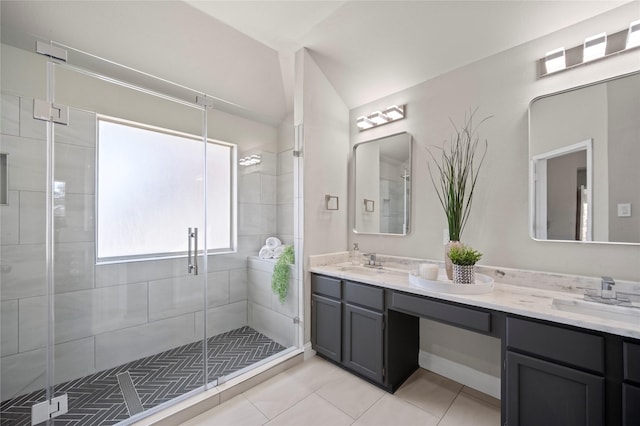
<point>584,151</point>
<point>382,176</point>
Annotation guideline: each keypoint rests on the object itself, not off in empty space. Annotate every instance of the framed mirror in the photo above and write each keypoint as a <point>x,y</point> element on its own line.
<point>584,152</point>
<point>382,177</point>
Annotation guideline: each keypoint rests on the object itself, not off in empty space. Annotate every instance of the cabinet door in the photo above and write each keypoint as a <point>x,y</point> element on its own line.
<point>363,341</point>
<point>630,405</point>
<point>326,326</point>
<point>544,393</point>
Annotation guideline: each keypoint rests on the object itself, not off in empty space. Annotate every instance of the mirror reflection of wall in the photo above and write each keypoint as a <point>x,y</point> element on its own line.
<point>564,199</point>
<point>382,185</point>
<point>607,114</point>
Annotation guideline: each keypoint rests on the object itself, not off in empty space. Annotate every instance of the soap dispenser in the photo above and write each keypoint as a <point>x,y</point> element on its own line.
<point>355,254</point>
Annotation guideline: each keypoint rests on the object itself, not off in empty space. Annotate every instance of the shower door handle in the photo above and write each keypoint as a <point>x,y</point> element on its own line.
<point>192,256</point>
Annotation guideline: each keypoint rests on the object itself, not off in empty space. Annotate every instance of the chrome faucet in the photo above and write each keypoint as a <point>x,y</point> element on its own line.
<point>607,284</point>
<point>373,261</point>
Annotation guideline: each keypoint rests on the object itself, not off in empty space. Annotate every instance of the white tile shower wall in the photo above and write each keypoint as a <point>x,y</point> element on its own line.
<point>9,327</point>
<point>25,372</point>
<point>266,313</point>
<point>10,219</point>
<point>257,203</point>
<point>125,311</point>
<point>222,318</point>
<point>284,198</point>
<point>10,122</point>
<point>82,314</point>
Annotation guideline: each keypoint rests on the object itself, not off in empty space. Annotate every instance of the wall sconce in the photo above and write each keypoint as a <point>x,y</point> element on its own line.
<point>369,205</point>
<point>250,160</point>
<point>633,36</point>
<point>331,202</point>
<point>555,60</point>
<point>378,118</point>
<point>594,48</point>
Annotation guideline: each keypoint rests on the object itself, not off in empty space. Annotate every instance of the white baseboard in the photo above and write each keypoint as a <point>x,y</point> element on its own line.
<point>461,373</point>
<point>308,352</point>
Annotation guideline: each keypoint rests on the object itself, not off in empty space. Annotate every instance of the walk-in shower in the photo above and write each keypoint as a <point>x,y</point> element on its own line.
<point>127,233</point>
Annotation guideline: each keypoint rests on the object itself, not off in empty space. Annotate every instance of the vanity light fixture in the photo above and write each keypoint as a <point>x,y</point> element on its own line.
<point>633,35</point>
<point>364,123</point>
<point>250,160</point>
<point>555,60</point>
<point>378,118</point>
<point>395,112</point>
<point>594,47</point>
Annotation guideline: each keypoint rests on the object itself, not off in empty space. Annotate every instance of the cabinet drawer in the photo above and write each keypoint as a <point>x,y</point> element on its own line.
<point>452,314</point>
<point>326,286</point>
<point>559,344</point>
<point>364,295</point>
<point>631,361</point>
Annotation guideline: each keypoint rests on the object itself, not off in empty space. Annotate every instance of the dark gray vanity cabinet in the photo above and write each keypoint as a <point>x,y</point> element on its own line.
<point>631,384</point>
<point>351,325</point>
<point>554,375</point>
<point>363,330</point>
<point>326,316</point>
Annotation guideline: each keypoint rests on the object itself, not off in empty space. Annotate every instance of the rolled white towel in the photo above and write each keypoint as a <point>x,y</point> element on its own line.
<point>273,242</point>
<point>265,253</point>
<point>277,252</point>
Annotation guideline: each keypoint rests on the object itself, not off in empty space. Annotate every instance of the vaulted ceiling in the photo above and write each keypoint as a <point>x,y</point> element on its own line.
<point>242,51</point>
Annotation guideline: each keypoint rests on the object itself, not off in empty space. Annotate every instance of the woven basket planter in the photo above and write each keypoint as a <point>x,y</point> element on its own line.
<point>464,274</point>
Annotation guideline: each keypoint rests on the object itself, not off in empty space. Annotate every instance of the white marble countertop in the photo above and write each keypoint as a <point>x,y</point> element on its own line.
<point>516,299</point>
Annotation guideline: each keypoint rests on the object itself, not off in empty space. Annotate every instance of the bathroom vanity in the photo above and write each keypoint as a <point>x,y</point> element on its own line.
<point>559,367</point>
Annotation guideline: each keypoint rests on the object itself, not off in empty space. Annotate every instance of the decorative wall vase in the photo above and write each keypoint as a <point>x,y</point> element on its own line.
<point>464,274</point>
<point>448,266</point>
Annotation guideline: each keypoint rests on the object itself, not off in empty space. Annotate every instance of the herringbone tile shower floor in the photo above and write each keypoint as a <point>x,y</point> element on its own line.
<point>97,399</point>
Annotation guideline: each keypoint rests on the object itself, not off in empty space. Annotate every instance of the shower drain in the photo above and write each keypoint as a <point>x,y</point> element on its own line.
<point>131,398</point>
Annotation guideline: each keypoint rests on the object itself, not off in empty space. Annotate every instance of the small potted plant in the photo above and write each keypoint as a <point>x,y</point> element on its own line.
<point>464,259</point>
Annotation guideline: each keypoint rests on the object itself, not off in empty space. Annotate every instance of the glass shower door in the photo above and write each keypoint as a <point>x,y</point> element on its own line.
<point>128,211</point>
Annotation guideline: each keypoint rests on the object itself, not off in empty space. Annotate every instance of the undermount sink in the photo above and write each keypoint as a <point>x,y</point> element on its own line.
<point>601,310</point>
<point>363,270</point>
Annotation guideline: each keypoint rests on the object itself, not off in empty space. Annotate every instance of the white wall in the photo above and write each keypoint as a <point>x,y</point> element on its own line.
<point>324,119</point>
<point>501,86</point>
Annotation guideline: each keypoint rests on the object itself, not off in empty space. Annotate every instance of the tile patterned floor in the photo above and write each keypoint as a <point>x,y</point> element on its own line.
<point>317,392</point>
<point>97,399</point>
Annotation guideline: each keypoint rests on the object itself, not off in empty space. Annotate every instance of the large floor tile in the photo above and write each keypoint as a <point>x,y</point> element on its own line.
<point>312,411</point>
<point>469,411</point>
<point>351,394</point>
<point>316,372</point>
<point>429,391</point>
<point>277,395</point>
<point>390,410</point>
<point>237,411</point>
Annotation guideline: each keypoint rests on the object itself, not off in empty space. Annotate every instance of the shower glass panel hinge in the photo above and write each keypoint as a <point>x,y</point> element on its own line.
<point>56,113</point>
<point>52,51</point>
<point>296,320</point>
<point>46,410</point>
<point>297,154</point>
<point>204,102</point>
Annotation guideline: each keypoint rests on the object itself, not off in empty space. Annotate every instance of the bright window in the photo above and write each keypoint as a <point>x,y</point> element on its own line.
<point>150,190</point>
